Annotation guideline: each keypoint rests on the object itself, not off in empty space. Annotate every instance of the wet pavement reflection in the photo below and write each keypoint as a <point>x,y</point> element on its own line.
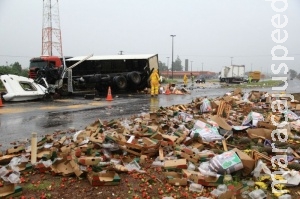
<point>19,120</point>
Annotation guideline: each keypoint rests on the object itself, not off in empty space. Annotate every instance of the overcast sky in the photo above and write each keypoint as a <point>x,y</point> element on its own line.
<point>207,31</point>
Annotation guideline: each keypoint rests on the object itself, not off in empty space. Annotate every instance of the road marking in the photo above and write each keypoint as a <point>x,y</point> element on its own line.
<point>11,110</point>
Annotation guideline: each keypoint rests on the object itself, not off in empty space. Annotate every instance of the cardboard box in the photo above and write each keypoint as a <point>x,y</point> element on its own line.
<point>237,91</point>
<point>90,160</point>
<point>147,146</point>
<point>175,164</point>
<point>63,167</point>
<point>199,178</point>
<point>24,166</point>
<point>175,178</point>
<point>66,149</point>
<point>4,160</point>
<point>260,133</point>
<point>16,149</point>
<point>97,138</point>
<point>78,172</point>
<point>228,161</point>
<point>10,191</point>
<point>103,179</point>
<point>227,99</point>
<point>7,189</point>
<point>221,122</point>
<point>44,153</point>
<point>262,124</point>
<point>248,162</point>
<point>190,158</point>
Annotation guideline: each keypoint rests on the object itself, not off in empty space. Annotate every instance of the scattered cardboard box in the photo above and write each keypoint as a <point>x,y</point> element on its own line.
<point>103,179</point>
<point>199,178</point>
<point>260,133</point>
<point>10,191</point>
<point>248,162</point>
<point>175,164</point>
<point>90,160</point>
<point>16,149</point>
<point>62,167</point>
<point>221,122</point>
<point>175,178</point>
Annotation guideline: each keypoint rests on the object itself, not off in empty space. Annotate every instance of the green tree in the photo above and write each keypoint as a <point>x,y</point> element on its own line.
<point>162,66</point>
<point>5,70</point>
<point>292,73</point>
<point>177,65</point>
<point>24,73</point>
<point>16,67</point>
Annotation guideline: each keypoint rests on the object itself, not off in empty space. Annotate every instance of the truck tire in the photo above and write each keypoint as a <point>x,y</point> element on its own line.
<point>120,82</point>
<point>134,77</point>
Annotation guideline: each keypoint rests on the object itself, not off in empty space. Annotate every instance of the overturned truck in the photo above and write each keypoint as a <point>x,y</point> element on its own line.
<point>120,72</point>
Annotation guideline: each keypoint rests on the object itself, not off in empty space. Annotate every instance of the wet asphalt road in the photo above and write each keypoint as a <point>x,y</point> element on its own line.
<point>19,120</point>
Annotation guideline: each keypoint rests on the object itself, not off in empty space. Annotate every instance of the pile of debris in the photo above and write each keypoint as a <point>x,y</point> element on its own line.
<point>208,142</point>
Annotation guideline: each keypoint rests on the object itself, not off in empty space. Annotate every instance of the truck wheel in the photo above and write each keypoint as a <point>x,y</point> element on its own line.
<point>120,82</point>
<point>134,77</point>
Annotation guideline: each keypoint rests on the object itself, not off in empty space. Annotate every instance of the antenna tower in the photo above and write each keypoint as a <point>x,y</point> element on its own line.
<point>51,34</point>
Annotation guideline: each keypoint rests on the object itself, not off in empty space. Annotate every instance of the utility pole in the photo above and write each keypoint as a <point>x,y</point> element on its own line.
<point>231,60</point>
<point>121,52</point>
<point>191,66</point>
<point>172,53</point>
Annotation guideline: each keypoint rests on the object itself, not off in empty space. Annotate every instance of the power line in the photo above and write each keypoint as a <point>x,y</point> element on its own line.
<point>16,56</point>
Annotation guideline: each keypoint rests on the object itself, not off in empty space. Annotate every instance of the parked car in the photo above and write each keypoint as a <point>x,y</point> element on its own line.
<point>200,80</point>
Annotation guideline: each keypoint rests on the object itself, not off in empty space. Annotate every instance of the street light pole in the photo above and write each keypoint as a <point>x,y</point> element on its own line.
<point>191,66</point>
<point>168,66</point>
<point>172,53</point>
<point>231,60</point>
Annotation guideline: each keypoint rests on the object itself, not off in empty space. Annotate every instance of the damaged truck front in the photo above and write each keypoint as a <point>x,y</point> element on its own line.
<point>120,72</point>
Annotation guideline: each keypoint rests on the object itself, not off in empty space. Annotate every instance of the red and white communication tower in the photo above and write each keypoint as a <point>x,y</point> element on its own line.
<point>51,33</point>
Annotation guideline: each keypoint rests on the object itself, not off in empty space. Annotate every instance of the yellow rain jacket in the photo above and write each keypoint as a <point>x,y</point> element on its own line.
<point>185,80</point>
<point>154,82</point>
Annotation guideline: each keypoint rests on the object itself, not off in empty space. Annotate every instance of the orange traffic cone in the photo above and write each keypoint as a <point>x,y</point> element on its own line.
<point>109,97</point>
<point>168,91</point>
<point>1,101</point>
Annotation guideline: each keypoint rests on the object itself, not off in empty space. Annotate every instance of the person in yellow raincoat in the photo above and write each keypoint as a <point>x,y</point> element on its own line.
<point>154,82</point>
<point>185,80</point>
